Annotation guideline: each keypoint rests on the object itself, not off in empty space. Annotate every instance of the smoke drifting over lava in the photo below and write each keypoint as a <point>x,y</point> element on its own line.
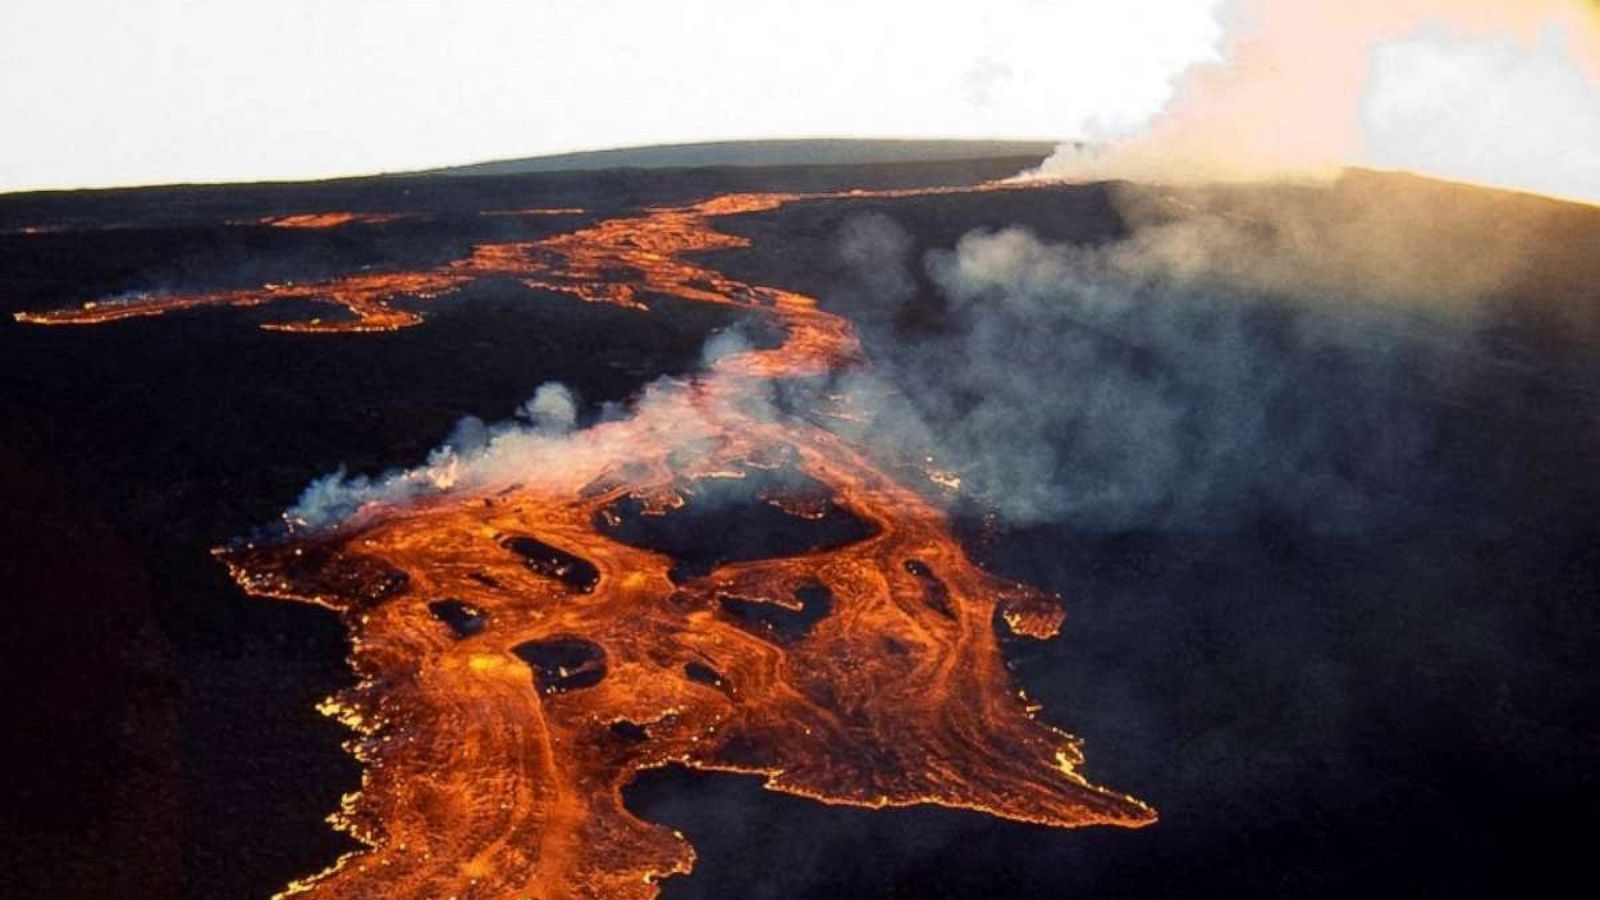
<point>1092,386</point>
<point>1485,91</point>
<point>1219,363</point>
<point>475,453</point>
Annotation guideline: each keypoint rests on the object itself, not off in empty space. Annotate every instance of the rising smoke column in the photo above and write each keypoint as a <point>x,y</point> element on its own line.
<point>1500,93</point>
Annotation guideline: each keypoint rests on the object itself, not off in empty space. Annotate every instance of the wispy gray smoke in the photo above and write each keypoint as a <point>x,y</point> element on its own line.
<point>1261,360</point>
<point>542,441</point>
<point>876,249</point>
<point>1116,388</point>
<point>475,453</point>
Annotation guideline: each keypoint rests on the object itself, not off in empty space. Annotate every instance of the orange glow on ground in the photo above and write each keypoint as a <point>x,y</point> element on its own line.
<point>497,738</point>
<point>572,263</point>
<point>332,219</point>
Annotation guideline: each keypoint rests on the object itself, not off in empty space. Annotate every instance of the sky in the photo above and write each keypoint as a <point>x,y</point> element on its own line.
<point>100,93</point>
<point>106,92</point>
<point>1497,92</point>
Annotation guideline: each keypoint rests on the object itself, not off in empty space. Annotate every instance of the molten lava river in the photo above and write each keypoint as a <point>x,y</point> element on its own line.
<point>529,641</point>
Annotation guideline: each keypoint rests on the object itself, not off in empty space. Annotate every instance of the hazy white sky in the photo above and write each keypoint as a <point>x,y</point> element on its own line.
<point>1501,92</point>
<point>110,92</point>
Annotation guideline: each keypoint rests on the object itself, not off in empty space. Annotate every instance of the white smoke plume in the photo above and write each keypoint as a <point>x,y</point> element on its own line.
<point>543,443</point>
<point>475,454</point>
<point>1110,387</point>
<point>1499,92</point>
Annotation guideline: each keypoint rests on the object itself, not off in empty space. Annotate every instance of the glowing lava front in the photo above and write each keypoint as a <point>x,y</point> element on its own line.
<point>526,647</point>
<point>332,219</point>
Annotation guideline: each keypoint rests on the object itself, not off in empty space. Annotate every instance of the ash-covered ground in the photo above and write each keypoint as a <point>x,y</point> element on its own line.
<point>1311,466</point>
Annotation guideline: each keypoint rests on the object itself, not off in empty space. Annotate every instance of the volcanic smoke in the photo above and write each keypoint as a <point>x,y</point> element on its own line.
<point>1491,92</point>
<point>531,629</point>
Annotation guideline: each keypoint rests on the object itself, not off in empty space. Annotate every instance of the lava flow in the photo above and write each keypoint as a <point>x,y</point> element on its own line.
<point>332,219</point>
<point>368,299</point>
<point>707,582</point>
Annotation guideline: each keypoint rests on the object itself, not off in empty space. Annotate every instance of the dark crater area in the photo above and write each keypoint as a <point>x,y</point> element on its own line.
<point>463,620</point>
<point>563,664</point>
<point>935,593</point>
<point>553,562</point>
<point>779,623</point>
<point>700,673</point>
<point>762,514</point>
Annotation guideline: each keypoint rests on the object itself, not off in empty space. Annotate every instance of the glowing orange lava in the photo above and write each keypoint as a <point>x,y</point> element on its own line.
<point>522,655</point>
<point>368,298</point>
<point>332,219</point>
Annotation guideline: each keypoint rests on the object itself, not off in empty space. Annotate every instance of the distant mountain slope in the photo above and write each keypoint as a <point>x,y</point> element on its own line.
<point>758,153</point>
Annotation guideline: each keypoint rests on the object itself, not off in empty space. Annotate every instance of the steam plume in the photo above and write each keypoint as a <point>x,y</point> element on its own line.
<point>474,454</point>
<point>1501,93</point>
<point>1115,388</point>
